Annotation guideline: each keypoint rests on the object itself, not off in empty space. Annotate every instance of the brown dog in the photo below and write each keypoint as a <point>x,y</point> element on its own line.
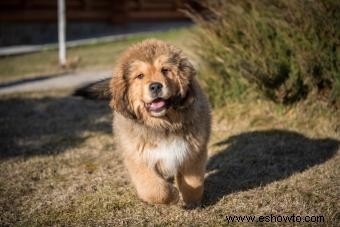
<point>161,122</point>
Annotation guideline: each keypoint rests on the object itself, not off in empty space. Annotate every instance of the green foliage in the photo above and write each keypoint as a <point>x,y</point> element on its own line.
<point>285,49</point>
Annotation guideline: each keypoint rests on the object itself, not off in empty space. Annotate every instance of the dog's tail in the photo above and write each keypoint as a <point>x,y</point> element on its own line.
<point>99,90</point>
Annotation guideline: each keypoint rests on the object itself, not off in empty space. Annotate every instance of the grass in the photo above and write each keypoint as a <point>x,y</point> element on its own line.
<point>96,56</point>
<point>285,50</point>
<point>59,164</point>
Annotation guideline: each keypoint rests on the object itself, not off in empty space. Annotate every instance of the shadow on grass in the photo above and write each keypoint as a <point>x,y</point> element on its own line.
<point>48,125</point>
<point>253,159</point>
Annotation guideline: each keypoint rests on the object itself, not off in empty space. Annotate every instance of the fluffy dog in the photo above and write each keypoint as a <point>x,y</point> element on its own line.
<point>161,122</point>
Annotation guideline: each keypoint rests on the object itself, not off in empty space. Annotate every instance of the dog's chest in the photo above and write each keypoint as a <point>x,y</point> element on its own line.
<point>168,155</point>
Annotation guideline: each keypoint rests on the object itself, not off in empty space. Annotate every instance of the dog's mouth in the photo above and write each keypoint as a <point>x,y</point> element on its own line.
<point>157,105</point>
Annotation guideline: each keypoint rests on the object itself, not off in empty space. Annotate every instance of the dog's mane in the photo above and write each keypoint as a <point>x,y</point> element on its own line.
<point>115,88</point>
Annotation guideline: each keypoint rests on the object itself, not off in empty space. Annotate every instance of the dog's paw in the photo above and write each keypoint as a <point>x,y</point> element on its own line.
<point>192,205</point>
<point>174,195</point>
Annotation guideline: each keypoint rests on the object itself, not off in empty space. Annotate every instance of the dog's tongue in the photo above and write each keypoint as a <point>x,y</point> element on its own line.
<point>157,104</point>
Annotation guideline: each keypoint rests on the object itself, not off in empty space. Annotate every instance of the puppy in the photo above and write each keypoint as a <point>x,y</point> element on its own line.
<point>161,122</point>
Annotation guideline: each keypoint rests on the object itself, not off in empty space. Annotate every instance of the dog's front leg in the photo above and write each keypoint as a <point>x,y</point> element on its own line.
<point>190,181</point>
<point>150,186</point>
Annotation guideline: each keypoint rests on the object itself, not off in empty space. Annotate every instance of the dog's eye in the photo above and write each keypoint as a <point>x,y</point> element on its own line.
<point>165,71</point>
<point>140,76</point>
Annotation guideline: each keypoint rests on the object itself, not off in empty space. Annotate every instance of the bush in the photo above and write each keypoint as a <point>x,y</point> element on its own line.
<point>285,49</point>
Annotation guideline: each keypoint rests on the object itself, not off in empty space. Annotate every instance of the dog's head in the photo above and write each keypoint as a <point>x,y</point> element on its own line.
<point>150,80</point>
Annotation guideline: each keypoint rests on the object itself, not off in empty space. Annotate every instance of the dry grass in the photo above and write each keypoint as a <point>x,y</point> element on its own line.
<point>59,165</point>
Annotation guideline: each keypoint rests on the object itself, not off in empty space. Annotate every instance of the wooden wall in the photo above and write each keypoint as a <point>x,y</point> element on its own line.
<point>116,11</point>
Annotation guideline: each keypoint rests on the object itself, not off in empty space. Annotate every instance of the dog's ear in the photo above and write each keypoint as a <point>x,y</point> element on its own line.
<point>119,94</point>
<point>181,102</point>
<point>97,90</point>
<point>186,73</point>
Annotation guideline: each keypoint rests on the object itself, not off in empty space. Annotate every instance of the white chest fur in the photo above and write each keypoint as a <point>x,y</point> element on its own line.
<point>171,153</point>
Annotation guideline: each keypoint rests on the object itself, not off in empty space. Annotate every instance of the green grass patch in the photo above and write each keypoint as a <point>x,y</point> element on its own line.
<point>96,56</point>
<point>285,50</point>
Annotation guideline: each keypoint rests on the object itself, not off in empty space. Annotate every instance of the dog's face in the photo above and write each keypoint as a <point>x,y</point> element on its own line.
<point>151,79</point>
<point>153,85</point>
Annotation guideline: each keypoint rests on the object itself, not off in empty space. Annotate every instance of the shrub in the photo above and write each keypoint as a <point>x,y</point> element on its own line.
<point>285,49</point>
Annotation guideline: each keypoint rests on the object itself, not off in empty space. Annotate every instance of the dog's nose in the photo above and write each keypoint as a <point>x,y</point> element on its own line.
<point>155,87</point>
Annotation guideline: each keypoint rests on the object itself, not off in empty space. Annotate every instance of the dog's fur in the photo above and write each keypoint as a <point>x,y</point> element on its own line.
<point>161,133</point>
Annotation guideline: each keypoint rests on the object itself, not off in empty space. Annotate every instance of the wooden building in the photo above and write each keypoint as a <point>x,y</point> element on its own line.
<point>116,11</point>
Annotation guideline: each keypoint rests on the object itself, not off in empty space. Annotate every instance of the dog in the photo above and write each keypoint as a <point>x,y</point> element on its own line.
<point>161,122</point>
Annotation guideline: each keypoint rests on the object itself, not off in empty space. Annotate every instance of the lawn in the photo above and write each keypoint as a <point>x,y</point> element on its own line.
<point>89,57</point>
<point>59,164</point>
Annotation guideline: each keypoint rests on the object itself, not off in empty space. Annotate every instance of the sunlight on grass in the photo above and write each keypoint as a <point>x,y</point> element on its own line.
<point>59,164</point>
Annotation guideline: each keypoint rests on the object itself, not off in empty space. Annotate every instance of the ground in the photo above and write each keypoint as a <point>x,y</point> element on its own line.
<point>59,164</point>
